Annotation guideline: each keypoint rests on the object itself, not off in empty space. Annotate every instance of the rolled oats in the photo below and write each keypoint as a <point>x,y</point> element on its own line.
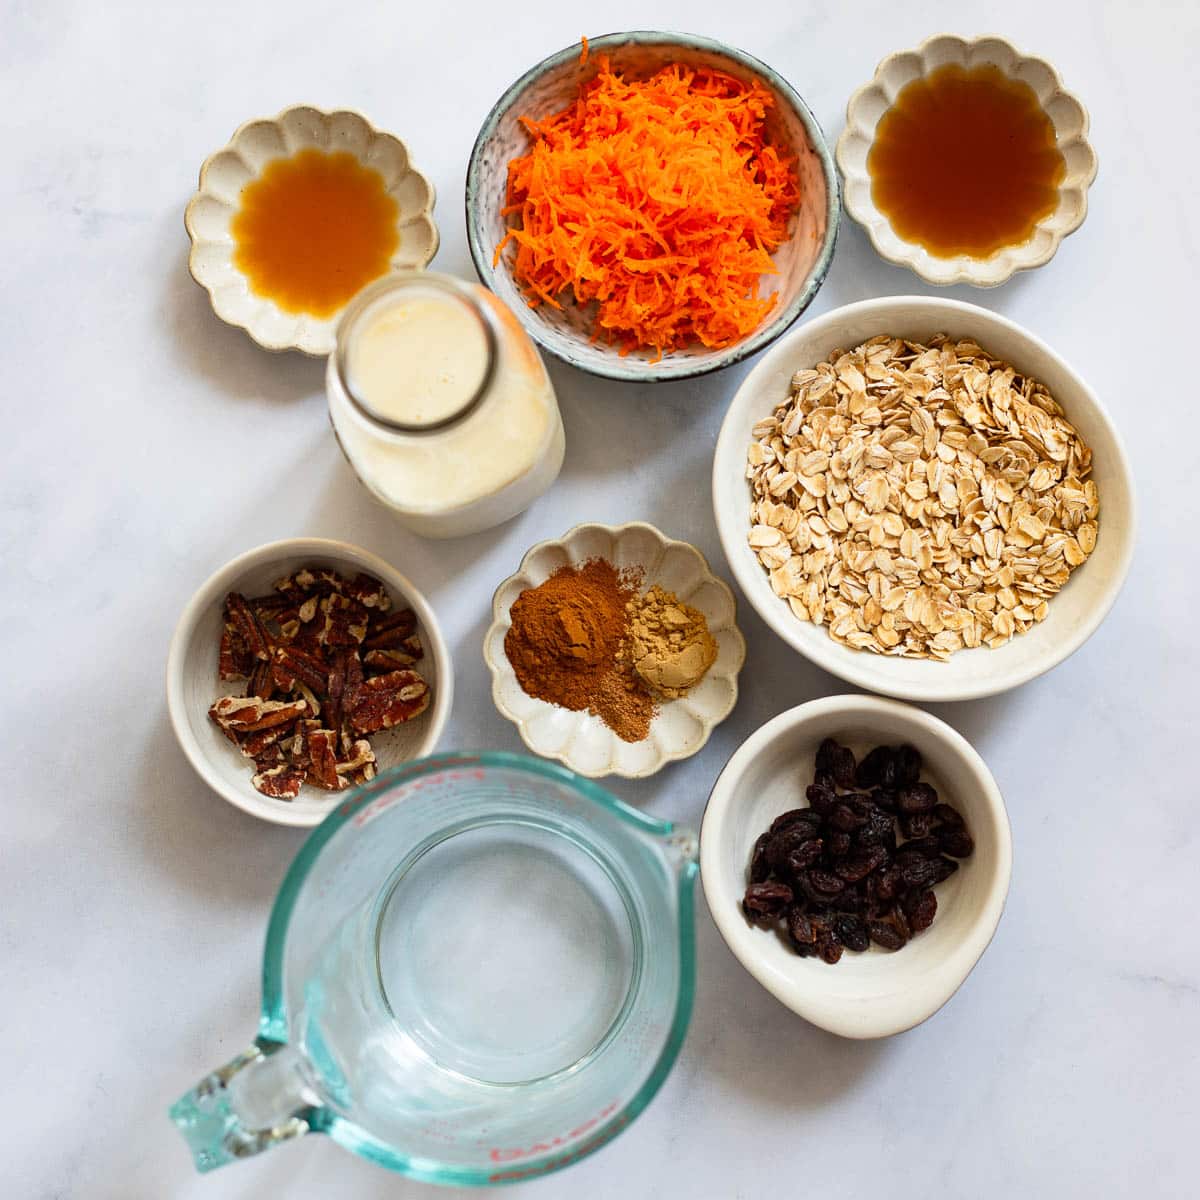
<point>920,499</point>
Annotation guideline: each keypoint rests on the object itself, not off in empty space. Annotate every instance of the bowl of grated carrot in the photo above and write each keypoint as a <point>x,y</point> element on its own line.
<point>653,206</point>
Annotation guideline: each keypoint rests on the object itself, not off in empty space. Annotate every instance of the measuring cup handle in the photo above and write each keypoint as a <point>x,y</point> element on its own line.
<point>230,1115</point>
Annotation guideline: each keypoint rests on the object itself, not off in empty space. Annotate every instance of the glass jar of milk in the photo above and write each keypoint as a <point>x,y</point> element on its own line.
<point>442,404</point>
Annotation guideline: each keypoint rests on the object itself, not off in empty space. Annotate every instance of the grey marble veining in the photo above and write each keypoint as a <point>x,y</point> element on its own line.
<point>145,443</point>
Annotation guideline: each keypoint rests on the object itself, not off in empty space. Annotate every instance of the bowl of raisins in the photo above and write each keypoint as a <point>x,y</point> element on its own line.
<point>856,856</point>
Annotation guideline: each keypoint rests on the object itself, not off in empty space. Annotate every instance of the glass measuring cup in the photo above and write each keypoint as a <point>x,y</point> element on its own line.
<point>478,969</point>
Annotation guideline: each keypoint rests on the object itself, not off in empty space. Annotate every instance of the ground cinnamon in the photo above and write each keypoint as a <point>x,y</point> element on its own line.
<point>564,643</point>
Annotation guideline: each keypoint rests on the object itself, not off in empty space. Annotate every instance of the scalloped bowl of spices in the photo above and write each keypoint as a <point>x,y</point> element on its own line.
<point>296,215</point>
<point>966,161</point>
<point>655,206</point>
<point>614,650</point>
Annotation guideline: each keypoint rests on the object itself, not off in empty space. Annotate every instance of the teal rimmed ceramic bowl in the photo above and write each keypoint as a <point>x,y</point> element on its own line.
<point>566,333</point>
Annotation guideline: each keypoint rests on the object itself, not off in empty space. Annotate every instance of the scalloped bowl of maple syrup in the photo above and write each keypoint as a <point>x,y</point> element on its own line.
<point>296,215</point>
<point>966,161</point>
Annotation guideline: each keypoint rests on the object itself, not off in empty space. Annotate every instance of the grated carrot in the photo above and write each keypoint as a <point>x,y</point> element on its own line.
<point>659,200</point>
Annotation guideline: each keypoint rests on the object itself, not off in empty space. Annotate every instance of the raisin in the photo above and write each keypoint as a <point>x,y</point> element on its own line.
<point>884,798</point>
<point>824,883</point>
<point>852,932</point>
<point>819,798</point>
<point>800,927</point>
<point>956,842</point>
<point>917,798</point>
<point>760,868</point>
<point>920,908</point>
<point>827,753</point>
<point>887,883</point>
<point>945,868</point>
<point>797,816</point>
<point>870,770</point>
<point>765,901</point>
<point>926,847</point>
<point>829,948</point>
<point>782,844</point>
<point>916,825</point>
<point>844,819</point>
<point>908,764</point>
<point>917,871</point>
<point>948,815</point>
<point>879,829</point>
<point>808,854</point>
<point>859,866</point>
<point>844,767</point>
<point>838,844</point>
<point>885,934</point>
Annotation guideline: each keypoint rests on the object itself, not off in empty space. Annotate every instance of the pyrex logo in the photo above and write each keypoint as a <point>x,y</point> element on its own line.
<point>517,1153</point>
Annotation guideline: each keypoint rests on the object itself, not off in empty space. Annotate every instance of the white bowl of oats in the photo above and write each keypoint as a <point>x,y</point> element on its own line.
<point>923,498</point>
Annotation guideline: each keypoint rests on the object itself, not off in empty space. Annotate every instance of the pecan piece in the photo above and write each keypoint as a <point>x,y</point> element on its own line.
<point>261,682</point>
<point>343,624</point>
<point>295,745</point>
<point>322,760</point>
<point>392,659</point>
<point>358,759</point>
<point>234,660</point>
<point>268,608</point>
<point>368,591</point>
<point>386,633</point>
<point>388,700</point>
<point>272,756</point>
<point>291,666</point>
<point>249,714</point>
<point>245,621</point>
<point>336,688</point>
<point>283,782</point>
<point>259,744</point>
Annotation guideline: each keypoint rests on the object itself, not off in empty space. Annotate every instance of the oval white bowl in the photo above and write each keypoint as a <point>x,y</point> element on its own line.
<point>875,993</point>
<point>193,684</point>
<point>1074,614</point>
<point>580,740</point>
<point>225,173</point>
<point>1068,115</point>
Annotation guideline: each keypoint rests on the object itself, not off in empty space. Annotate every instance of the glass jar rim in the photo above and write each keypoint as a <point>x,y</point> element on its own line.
<point>371,295</point>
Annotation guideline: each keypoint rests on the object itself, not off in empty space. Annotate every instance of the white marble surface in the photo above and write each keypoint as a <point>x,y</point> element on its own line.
<point>145,444</point>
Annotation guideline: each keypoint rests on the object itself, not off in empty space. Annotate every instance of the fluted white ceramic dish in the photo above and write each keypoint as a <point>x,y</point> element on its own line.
<point>582,741</point>
<point>875,993</point>
<point>1068,115</point>
<point>225,173</point>
<point>567,332</point>
<point>1074,614</point>
<point>193,684</point>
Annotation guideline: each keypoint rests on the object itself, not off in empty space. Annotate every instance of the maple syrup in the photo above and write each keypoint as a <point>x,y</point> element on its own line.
<point>313,229</point>
<point>965,162</point>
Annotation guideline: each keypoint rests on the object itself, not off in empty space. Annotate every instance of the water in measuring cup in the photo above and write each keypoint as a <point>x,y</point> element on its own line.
<point>496,958</point>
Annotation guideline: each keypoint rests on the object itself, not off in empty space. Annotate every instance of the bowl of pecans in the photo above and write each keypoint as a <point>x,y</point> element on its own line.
<point>855,855</point>
<point>923,498</point>
<point>301,669</point>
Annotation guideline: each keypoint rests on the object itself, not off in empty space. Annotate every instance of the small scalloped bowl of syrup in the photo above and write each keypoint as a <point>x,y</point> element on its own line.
<point>966,161</point>
<point>298,214</point>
